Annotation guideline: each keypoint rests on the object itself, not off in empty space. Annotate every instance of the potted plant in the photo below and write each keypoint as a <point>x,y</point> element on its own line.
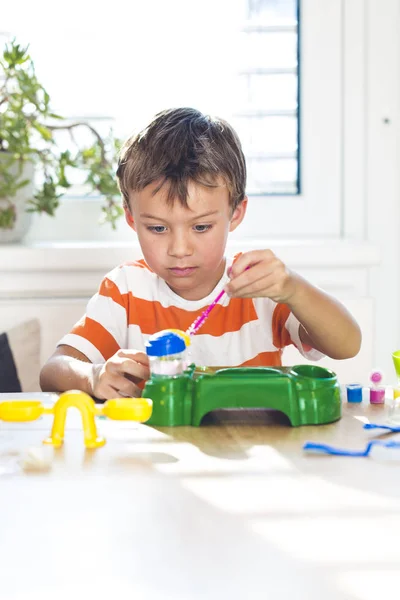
<point>35,170</point>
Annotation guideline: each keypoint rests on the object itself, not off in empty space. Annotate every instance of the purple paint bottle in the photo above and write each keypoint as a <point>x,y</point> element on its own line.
<point>376,392</point>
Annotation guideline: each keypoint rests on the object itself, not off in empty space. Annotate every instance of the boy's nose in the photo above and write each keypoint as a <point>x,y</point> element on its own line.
<point>180,246</point>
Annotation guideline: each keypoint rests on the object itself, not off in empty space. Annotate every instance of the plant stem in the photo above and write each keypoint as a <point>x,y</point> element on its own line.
<point>92,129</point>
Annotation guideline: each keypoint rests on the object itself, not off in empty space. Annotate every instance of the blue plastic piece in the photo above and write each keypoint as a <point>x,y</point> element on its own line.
<point>393,428</point>
<point>164,343</point>
<point>334,451</point>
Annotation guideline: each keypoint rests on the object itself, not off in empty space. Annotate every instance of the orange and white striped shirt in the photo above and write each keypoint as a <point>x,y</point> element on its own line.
<point>133,303</point>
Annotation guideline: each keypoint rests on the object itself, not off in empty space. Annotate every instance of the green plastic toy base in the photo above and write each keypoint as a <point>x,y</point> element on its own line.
<point>307,394</point>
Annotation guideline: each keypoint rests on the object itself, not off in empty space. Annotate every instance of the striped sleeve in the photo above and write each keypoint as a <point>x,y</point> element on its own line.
<point>285,331</point>
<point>102,331</point>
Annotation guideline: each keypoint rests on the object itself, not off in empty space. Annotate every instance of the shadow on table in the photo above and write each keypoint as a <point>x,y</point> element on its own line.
<point>230,433</point>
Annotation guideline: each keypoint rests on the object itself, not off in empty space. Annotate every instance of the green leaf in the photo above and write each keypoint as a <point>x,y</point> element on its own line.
<point>46,200</point>
<point>14,54</point>
<point>111,213</point>
<point>7,217</point>
<point>44,132</point>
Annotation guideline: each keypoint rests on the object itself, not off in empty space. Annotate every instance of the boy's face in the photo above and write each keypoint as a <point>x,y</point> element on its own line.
<point>185,246</point>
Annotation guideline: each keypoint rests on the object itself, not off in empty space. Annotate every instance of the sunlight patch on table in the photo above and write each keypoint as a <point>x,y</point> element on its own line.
<point>101,587</point>
<point>118,430</point>
<point>192,460</point>
<point>338,540</point>
<point>362,419</point>
<point>371,584</point>
<point>283,494</point>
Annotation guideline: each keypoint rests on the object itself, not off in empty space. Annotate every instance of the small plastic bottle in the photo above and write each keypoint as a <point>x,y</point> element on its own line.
<point>354,392</point>
<point>376,392</point>
<point>166,352</point>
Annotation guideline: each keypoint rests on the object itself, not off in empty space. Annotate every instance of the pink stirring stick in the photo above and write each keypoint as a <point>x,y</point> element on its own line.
<point>197,323</point>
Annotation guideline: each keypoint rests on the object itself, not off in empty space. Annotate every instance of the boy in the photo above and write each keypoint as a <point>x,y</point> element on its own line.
<point>183,185</point>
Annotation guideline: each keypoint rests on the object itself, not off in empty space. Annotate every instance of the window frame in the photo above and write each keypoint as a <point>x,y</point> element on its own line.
<point>317,210</point>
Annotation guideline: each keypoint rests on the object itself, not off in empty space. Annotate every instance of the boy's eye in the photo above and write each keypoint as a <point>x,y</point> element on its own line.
<point>157,228</point>
<point>202,228</point>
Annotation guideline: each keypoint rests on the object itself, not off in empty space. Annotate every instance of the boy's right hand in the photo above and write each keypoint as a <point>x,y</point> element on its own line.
<point>120,375</point>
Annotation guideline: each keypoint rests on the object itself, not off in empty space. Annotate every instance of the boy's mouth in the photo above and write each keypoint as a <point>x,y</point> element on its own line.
<point>182,271</point>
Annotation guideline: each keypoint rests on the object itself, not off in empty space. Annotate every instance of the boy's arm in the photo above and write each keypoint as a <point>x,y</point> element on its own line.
<point>67,369</point>
<point>120,375</point>
<point>325,324</point>
<point>90,357</point>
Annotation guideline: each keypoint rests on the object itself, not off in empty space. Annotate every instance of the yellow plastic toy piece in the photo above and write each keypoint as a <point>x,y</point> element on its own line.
<point>122,409</point>
<point>86,407</point>
<point>396,362</point>
<point>126,409</point>
<point>21,410</point>
<point>182,334</point>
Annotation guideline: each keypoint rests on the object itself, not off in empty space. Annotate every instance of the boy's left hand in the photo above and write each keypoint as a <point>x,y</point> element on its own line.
<point>259,273</point>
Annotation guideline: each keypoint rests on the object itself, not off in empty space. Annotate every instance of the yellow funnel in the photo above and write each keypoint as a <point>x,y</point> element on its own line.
<point>396,362</point>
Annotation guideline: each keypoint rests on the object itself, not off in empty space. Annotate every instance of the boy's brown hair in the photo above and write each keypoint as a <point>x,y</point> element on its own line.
<point>179,145</point>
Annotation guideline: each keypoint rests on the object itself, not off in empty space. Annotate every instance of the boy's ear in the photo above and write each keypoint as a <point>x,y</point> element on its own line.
<point>129,219</point>
<point>238,214</point>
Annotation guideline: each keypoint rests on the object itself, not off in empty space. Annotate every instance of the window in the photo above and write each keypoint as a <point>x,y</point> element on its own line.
<point>234,58</point>
<point>268,90</point>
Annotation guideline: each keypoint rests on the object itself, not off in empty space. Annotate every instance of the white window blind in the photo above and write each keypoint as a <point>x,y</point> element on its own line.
<point>268,90</point>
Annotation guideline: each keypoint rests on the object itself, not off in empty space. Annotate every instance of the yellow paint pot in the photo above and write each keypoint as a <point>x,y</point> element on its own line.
<point>21,410</point>
<point>127,409</point>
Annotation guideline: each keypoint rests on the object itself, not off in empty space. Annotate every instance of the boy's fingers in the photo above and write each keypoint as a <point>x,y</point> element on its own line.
<point>105,392</point>
<point>248,260</point>
<point>133,368</point>
<point>240,265</point>
<point>253,289</point>
<point>139,357</point>
<point>248,278</point>
<point>124,387</point>
<point>260,288</point>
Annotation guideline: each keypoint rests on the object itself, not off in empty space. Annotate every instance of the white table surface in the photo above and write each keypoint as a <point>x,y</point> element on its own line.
<point>230,510</point>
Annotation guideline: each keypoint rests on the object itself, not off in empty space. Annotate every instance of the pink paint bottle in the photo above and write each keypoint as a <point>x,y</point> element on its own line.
<point>376,391</point>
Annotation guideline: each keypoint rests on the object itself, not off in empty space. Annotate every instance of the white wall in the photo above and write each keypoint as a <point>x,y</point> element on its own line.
<point>382,172</point>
